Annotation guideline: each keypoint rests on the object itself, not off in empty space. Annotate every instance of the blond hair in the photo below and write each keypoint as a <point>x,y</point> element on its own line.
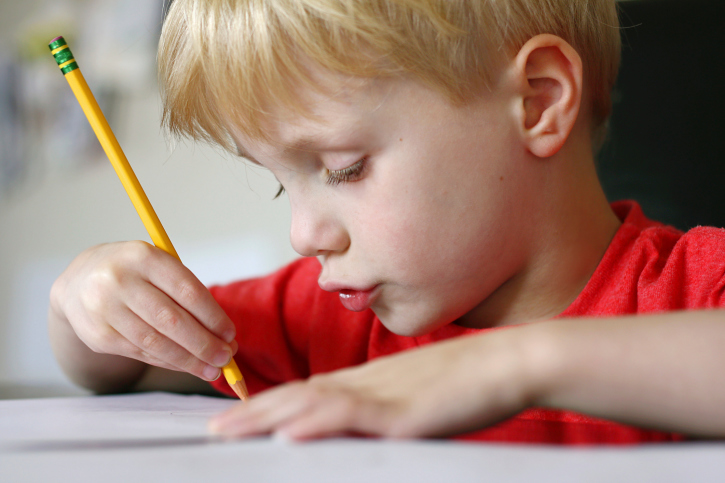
<point>223,61</point>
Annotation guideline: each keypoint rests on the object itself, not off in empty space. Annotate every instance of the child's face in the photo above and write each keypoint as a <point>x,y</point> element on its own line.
<point>412,205</point>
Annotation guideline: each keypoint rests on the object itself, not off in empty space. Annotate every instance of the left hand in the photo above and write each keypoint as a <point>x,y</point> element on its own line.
<point>445,388</point>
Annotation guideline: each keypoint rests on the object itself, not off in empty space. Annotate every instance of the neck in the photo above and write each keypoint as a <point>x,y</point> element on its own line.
<point>571,227</point>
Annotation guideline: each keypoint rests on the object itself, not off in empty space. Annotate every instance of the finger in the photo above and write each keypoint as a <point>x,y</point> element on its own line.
<point>150,343</point>
<point>109,341</point>
<point>159,363</point>
<point>234,346</point>
<point>263,413</point>
<point>339,414</point>
<point>179,283</point>
<point>175,323</point>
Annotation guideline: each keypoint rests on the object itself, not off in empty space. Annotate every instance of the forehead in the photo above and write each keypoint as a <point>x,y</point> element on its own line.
<point>335,105</point>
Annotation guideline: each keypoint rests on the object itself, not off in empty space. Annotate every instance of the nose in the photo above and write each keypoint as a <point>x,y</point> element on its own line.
<point>317,230</point>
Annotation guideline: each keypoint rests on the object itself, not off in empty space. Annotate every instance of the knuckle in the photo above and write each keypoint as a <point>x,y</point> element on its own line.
<point>95,302</point>
<point>206,349</point>
<point>106,278</point>
<point>152,360</point>
<point>139,251</point>
<point>151,343</point>
<point>220,324</point>
<point>102,286</point>
<point>167,319</point>
<point>189,293</point>
<point>192,366</point>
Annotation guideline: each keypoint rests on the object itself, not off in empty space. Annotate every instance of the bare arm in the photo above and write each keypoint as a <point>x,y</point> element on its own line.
<point>662,371</point>
<point>659,371</point>
<point>101,373</point>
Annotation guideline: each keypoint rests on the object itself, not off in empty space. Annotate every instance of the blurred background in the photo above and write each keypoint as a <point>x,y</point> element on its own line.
<point>59,194</point>
<point>665,146</point>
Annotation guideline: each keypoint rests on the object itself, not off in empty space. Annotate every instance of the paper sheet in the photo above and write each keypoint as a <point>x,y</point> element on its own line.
<point>161,437</point>
<point>56,422</point>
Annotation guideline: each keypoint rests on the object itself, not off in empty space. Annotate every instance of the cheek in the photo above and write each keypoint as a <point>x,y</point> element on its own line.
<point>435,229</point>
<point>407,236</point>
<point>436,203</point>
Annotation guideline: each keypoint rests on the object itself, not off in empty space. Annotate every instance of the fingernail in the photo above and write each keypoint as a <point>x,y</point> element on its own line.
<point>219,427</point>
<point>281,437</point>
<point>215,426</point>
<point>228,336</point>
<point>222,358</point>
<point>212,373</point>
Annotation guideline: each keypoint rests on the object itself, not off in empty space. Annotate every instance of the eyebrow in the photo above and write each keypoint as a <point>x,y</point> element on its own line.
<point>305,144</point>
<point>322,143</point>
<point>302,144</point>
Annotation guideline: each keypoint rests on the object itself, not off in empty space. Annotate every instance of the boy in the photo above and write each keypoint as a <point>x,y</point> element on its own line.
<point>437,155</point>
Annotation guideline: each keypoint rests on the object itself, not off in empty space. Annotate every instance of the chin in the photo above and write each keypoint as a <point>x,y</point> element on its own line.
<point>408,326</point>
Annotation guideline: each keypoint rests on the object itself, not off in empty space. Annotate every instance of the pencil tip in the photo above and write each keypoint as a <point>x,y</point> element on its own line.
<point>240,389</point>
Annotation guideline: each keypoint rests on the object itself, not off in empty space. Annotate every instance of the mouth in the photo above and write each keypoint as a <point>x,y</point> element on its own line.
<point>354,300</point>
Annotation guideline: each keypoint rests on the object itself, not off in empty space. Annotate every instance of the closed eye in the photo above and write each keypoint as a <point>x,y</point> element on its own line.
<point>352,173</point>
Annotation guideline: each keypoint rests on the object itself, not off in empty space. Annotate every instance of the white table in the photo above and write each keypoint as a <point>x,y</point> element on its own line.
<point>161,437</point>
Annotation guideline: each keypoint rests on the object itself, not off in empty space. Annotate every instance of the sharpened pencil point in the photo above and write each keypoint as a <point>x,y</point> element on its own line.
<point>235,380</point>
<point>240,389</point>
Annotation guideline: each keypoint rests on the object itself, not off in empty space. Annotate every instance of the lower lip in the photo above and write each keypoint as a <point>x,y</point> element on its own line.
<point>356,300</point>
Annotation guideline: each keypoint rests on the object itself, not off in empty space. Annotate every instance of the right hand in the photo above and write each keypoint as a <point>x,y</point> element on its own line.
<point>135,300</point>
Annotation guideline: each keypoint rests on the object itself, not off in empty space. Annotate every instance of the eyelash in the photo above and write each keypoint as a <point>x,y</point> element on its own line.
<point>279,192</point>
<point>349,174</point>
<point>345,175</point>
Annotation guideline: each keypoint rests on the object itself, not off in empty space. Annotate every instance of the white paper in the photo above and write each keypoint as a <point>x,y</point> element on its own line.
<point>99,419</point>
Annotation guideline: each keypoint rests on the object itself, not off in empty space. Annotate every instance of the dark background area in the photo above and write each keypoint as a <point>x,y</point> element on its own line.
<point>667,134</point>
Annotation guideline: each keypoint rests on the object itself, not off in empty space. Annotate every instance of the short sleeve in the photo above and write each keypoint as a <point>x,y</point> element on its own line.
<point>693,276</point>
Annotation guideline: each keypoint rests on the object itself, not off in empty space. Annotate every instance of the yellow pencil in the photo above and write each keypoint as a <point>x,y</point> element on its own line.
<point>68,65</point>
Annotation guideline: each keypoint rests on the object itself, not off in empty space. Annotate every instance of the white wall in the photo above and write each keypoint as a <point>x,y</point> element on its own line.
<point>218,212</point>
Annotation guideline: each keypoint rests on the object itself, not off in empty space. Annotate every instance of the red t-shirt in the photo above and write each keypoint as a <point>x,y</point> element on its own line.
<point>288,328</point>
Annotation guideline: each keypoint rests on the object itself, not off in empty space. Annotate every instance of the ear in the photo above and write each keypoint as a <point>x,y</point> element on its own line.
<point>548,76</point>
